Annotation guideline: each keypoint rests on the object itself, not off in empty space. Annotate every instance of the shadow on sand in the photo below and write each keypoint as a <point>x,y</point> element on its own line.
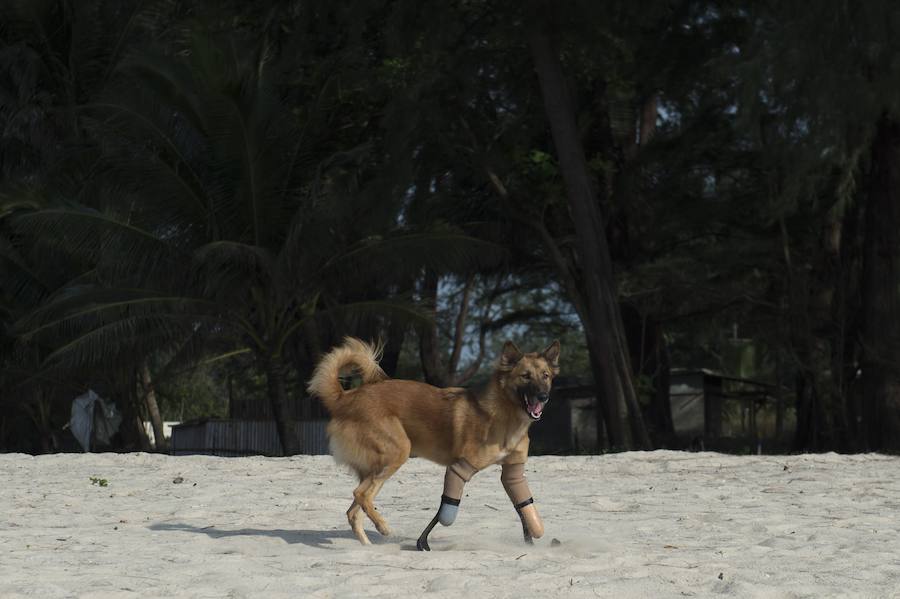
<point>320,539</point>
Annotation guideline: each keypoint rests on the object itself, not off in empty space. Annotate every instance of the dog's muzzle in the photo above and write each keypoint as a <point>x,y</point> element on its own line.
<point>534,404</point>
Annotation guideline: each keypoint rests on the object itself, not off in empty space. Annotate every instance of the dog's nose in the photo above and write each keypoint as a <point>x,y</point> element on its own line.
<point>543,397</point>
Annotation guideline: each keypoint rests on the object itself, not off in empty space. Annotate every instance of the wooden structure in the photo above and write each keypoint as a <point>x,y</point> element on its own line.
<point>711,410</point>
<point>569,424</point>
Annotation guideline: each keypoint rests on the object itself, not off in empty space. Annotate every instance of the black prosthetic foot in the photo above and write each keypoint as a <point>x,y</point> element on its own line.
<point>422,542</point>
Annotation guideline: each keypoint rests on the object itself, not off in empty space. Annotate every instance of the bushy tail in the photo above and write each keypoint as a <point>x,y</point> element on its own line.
<point>325,384</point>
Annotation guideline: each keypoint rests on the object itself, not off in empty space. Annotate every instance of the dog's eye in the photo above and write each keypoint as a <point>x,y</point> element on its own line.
<point>526,375</point>
<point>546,375</point>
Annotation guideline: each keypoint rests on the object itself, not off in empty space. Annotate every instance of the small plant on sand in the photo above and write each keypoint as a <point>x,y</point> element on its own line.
<point>102,482</point>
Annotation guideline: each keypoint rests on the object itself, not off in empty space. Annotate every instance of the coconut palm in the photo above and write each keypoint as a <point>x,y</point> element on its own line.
<point>218,222</point>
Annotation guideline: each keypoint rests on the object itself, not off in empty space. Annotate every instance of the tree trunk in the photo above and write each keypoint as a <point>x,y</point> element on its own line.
<point>650,359</point>
<point>608,423</point>
<point>880,295</point>
<point>662,402</point>
<point>284,424</point>
<point>813,429</point>
<point>134,436</point>
<point>649,114</point>
<point>809,434</point>
<point>393,345</point>
<point>231,411</point>
<point>843,256</point>
<point>611,411</point>
<point>153,410</point>
<point>429,348</point>
<point>603,326</point>
<point>39,413</point>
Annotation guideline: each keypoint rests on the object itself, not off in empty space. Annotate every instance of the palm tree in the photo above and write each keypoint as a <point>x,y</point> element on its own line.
<point>216,221</point>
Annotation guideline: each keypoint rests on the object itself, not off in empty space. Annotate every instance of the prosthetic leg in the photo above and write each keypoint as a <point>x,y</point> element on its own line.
<point>458,474</point>
<point>513,478</point>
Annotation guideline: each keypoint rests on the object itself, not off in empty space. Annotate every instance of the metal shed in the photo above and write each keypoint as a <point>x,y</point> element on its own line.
<point>244,437</point>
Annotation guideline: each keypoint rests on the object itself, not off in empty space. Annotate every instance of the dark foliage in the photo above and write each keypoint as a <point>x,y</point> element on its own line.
<point>213,193</point>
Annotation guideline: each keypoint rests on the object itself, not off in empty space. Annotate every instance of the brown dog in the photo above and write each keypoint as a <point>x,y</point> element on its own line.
<point>376,427</point>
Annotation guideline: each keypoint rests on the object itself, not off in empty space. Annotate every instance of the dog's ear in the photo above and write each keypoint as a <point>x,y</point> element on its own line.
<point>551,354</point>
<point>509,356</point>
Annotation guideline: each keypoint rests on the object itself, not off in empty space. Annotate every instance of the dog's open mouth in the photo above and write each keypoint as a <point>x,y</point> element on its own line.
<point>534,407</point>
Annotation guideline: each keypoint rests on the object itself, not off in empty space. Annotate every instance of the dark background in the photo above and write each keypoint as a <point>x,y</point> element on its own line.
<point>199,198</point>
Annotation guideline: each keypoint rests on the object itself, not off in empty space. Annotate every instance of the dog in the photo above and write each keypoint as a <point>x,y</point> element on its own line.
<point>377,426</point>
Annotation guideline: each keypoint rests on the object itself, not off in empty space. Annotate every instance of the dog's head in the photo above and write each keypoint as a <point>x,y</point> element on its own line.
<point>527,378</point>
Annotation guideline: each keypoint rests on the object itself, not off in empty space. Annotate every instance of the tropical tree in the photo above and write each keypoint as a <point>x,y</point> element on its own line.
<point>219,221</point>
<point>825,116</point>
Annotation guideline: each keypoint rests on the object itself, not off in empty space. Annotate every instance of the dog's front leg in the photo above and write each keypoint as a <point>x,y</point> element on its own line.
<point>456,477</point>
<point>513,478</point>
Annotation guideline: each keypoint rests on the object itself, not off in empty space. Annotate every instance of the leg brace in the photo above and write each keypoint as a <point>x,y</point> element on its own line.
<point>513,479</point>
<point>456,477</point>
<point>458,474</point>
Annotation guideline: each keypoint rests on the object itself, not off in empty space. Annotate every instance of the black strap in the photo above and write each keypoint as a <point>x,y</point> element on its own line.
<point>449,500</point>
<point>528,501</point>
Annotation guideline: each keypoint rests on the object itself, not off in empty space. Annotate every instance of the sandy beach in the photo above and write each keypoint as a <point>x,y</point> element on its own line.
<point>657,524</point>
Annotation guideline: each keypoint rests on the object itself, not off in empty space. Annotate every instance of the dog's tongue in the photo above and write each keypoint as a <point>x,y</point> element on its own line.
<point>535,407</point>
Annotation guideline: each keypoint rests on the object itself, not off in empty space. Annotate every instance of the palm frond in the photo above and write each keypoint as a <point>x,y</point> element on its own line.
<point>348,316</point>
<point>407,253</point>
<point>21,283</point>
<point>225,269</point>
<point>96,238</point>
<point>75,309</point>
<point>115,343</point>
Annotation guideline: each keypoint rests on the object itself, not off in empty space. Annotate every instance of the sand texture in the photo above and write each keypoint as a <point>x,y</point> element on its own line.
<point>657,524</point>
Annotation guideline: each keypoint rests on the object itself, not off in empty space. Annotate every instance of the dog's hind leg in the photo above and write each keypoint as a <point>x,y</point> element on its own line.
<point>364,499</point>
<point>354,455</point>
<point>355,518</point>
<point>392,454</point>
<point>355,514</point>
<point>367,497</point>
<point>375,454</point>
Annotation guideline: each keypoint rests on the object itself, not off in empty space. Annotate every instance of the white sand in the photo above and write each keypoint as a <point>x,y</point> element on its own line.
<point>660,524</point>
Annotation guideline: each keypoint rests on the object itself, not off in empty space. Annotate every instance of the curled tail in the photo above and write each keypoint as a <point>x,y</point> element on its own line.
<point>325,383</point>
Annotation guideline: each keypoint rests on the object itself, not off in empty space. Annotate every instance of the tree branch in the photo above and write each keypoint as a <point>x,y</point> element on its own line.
<point>556,255</point>
<point>460,328</point>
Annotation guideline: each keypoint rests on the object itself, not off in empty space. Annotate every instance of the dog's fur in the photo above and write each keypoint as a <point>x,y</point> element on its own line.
<point>376,427</point>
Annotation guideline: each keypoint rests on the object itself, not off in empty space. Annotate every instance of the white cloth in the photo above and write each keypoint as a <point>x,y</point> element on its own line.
<point>92,417</point>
